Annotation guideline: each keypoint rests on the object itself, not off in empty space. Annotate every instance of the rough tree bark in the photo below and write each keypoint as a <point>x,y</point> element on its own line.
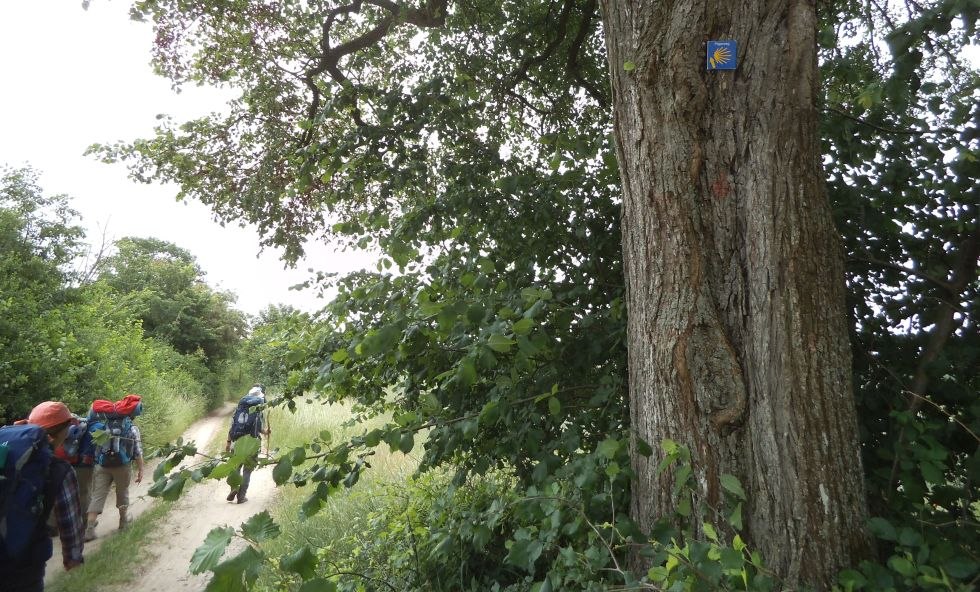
<point>738,343</point>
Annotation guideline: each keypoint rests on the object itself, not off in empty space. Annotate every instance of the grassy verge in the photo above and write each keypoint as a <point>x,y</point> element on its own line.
<point>343,508</point>
<point>106,567</point>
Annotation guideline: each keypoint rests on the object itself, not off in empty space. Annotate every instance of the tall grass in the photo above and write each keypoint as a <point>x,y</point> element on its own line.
<point>345,507</point>
<point>168,411</point>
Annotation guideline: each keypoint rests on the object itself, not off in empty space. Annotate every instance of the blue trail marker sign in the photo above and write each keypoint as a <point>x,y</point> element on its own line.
<point>721,55</point>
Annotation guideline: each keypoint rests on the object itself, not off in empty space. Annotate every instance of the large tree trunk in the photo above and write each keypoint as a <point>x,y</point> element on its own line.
<point>738,341</point>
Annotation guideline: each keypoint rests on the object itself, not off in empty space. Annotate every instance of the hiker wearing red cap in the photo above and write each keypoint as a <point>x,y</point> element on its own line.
<point>24,571</point>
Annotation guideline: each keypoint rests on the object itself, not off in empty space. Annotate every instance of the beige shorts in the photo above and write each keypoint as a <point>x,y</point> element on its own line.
<point>102,479</point>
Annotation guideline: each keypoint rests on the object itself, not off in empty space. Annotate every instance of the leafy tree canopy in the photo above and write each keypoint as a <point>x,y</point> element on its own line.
<point>38,242</point>
<point>468,142</point>
<point>166,290</point>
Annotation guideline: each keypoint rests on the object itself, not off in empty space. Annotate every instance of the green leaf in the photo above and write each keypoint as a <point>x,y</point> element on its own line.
<point>475,313</point>
<point>224,469</point>
<point>282,470</point>
<point>629,66</point>
<point>312,504</point>
<point>490,413</point>
<point>467,372</point>
<point>209,553</point>
<point>554,406</point>
<point>851,579</point>
<point>961,567</point>
<point>174,487</point>
<point>298,456</point>
<point>237,573</point>
<point>710,532</point>
<point>682,477</point>
<point>430,402</point>
<point>302,562</point>
<point>932,473</point>
<point>732,485</point>
<point>901,565</point>
<point>339,356</point>
<point>523,326</point>
<point>499,343</point>
<point>481,536</point>
<point>883,529</point>
<point>642,447</point>
<point>608,448</point>
<point>731,559</point>
<point>735,519</point>
<point>407,442</point>
<point>524,553</point>
<point>157,488</point>
<point>612,470</point>
<point>245,448</point>
<point>260,527</point>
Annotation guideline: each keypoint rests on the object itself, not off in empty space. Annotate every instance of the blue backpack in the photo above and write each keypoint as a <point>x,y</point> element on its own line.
<point>246,421</point>
<point>25,462</point>
<point>121,447</point>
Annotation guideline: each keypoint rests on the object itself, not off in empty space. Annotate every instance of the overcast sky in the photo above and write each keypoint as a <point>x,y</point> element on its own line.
<point>71,77</point>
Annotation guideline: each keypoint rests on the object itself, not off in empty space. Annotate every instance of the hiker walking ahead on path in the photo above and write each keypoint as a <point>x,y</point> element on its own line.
<point>33,474</point>
<point>114,457</point>
<point>248,420</point>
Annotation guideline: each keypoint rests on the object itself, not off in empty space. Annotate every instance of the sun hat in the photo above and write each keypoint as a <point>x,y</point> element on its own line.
<point>51,414</point>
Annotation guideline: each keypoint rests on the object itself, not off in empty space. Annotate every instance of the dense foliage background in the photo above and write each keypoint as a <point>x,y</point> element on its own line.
<point>78,326</point>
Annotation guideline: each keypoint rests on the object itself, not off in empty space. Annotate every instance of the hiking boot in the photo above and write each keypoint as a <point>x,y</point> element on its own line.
<point>242,499</point>
<point>124,519</point>
<point>90,532</point>
<point>231,496</point>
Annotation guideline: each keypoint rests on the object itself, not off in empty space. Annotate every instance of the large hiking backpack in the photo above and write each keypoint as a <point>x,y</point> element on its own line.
<point>78,448</point>
<point>121,446</point>
<point>246,421</point>
<point>115,418</point>
<point>25,463</point>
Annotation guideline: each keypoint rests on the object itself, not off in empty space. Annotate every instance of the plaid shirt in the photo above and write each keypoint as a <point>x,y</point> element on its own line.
<point>68,513</point>
<point>138,447</point>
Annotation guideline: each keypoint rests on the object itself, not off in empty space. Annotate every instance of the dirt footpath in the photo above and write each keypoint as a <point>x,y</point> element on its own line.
<point>201,508</point>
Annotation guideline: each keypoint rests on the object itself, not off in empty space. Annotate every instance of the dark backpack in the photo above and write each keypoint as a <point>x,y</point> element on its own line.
<point>25,463</point>
<point>246,421</point>
<point>121,447</point>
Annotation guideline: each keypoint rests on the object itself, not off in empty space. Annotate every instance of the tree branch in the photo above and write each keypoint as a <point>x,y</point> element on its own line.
<point>945,285</point>
<point>433,14</point>
<point>886,130</point>
<point>589,11</point>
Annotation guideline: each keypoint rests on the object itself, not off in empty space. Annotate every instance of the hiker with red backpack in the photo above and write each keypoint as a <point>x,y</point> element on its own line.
<point>248,420</point>
<point>35,483</point>
<point>120,448</point>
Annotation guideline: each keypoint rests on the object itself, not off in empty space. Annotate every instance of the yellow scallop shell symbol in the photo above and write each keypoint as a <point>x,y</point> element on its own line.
<point>720,56</point>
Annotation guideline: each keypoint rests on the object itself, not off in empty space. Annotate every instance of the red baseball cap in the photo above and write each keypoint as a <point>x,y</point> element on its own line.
<point>50,414</point>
